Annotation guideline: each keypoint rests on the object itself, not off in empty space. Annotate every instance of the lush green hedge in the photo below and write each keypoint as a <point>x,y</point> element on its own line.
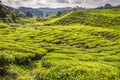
<point>2,25</point>
<point>5,60</point>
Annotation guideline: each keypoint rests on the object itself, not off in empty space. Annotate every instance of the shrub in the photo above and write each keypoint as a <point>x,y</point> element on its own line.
<point>24,58</point>
<point>2,25</point>
<point>5,60</point>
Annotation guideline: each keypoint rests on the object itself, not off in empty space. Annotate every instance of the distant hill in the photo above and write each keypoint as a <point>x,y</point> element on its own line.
<point>34,12</point>
<point>6,11</point>
<point>49,11</point>
<point>108,6</point>
<point>42,12</point>
<point>55,9</point>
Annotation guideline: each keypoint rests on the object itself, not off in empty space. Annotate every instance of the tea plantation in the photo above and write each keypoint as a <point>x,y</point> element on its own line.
<point>79,45</point>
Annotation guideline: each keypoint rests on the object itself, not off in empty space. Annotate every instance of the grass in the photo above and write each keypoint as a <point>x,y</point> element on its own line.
<point>100,18</point>
<point>2,25</point>
<point>35,51</point>
<point>106,12</point>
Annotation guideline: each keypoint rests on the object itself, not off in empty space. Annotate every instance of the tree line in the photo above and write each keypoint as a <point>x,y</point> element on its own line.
<point>7,13</point>
<point>108,6</point>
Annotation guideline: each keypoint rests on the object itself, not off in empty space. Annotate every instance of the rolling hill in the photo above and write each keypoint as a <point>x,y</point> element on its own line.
<point>78,45</point>
<point>99,18</point>
<point>34,12</point>
<point>43,12</point>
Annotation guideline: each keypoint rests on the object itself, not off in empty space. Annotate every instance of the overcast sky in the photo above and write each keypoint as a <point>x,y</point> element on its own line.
<point>58,3</point>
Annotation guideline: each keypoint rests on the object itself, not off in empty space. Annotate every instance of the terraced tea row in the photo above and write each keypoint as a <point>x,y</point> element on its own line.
<point>69,50</point>
<point>66,52</point>
<point>86,18</point>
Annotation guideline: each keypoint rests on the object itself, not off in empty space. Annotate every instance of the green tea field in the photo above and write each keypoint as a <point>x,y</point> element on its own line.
<point>78,45</point>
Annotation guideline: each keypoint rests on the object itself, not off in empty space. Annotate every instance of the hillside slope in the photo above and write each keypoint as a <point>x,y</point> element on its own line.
<point>61,52</point>
<point>34,12</point>
<point>67,51</point>
<point>91,17</point>
<point>8,14</point>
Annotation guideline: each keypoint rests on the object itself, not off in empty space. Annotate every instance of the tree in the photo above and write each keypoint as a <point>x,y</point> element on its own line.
<point>74,8</point>
<point>118,6</point>
<point>28,14</point>
<point>108,6</point>
<point>77,8</point>
<point>101,7</point>
<point>13,16</point>
<point>4,63</point>
<point>2,14</point>
<point>58,13</point>
<point>0,2</point>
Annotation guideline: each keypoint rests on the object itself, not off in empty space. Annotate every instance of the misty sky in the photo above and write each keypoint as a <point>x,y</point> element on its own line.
<point>58,3</point>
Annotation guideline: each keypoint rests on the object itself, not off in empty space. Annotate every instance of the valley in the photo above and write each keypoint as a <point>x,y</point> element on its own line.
<point>78,45</point>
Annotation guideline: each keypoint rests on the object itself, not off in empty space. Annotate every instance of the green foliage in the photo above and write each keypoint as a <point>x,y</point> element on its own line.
<point>7,14</point>
<point>5,60</point>
<point>84,18</point>
<point>29,51</point>
<point>28,14</point>
<point>98,18</point>
<point>2,25</point>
